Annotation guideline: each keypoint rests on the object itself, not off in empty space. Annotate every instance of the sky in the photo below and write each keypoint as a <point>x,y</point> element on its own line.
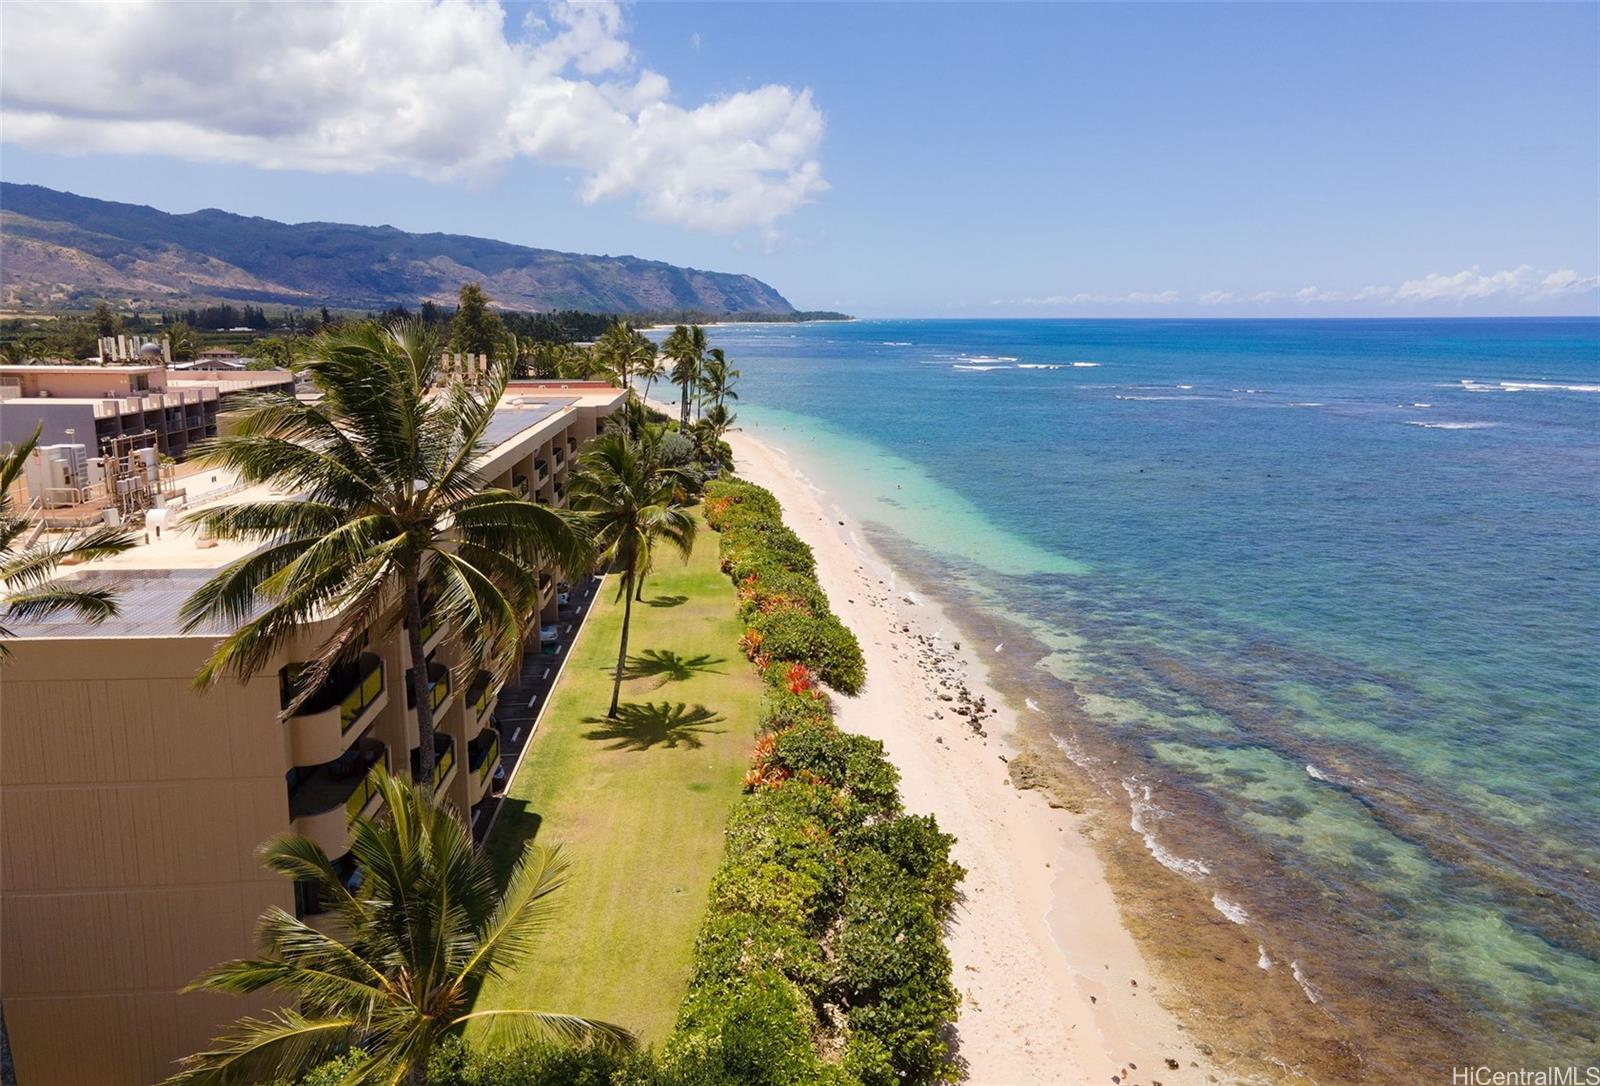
<point>923,159</point>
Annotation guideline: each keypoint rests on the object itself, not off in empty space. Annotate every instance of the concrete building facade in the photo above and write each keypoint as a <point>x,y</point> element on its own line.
<point>131,805</point>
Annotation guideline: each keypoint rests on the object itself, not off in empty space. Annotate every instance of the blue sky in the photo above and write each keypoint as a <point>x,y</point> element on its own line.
<point>950,159</point>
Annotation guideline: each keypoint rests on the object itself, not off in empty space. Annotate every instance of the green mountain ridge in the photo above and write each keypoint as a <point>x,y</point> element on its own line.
<point>61,250</point>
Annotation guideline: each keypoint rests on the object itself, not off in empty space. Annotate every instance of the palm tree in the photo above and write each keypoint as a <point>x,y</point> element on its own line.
<point>718,378</point>
<point>383,502</point>
<point>615,351</point>
<point>423,932</point>
<point>631,498</point>
<point>650,367</point>
<point>686,346</point>
<point>26,569</point>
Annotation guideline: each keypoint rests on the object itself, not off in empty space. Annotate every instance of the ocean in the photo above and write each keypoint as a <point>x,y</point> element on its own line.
<point>1312,604</point>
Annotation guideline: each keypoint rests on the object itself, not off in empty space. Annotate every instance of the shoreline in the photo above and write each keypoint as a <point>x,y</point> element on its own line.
<point>1054,986</point>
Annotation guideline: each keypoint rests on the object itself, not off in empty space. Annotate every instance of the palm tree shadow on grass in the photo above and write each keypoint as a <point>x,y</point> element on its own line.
<point>670,665</point>
<point>666,601</point>
<point>639,726</point>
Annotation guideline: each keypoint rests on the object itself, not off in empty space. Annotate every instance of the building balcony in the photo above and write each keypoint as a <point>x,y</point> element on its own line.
<point>561,496</point>
<point>440,688</point>
<point>444,762</point>
<point>320,730</point>
<point>483,755</point>
<point>520,485</point>
<point>480,699</point>
<point>572,446</point>
<point>433,630</point>
<point>560,457</point>
<point>325,799</point>
<point>541,471</point>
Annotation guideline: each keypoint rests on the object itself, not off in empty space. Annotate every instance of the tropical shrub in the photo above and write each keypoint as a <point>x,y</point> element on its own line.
<point>823,929</point>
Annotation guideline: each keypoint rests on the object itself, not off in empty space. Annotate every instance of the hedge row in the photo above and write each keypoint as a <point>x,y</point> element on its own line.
<point>821,959</point>
<point>782,605</point>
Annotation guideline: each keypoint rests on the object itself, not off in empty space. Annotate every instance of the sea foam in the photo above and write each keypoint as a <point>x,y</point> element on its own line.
<point>1231,909</point>
<point>1142,805</point>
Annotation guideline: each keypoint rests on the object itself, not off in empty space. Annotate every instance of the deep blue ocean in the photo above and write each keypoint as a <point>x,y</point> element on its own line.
<point>1328,588</point>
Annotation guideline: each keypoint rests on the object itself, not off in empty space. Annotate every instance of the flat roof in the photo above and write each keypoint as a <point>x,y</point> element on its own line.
<point>86,367</point>
<point>153,579</point>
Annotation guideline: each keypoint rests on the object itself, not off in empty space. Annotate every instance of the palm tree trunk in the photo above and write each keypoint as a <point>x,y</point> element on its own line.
<point>419,678</point>
<point>638,585</point>
<point>622,649</point>
<point>683,410</point>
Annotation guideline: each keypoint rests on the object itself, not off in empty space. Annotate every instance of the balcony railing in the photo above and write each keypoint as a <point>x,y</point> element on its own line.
<point>347,781</point>
<point>478,699</point>
<point>483,753</point>
<point>541,469</point>
<point>444,759</point>
<point>559,456</point>
<point>363,794</point>
<point>438,687</point>
<point>353,687</point>
<point>519,484</point>
<point>572,445</point>
<point>368,691</point>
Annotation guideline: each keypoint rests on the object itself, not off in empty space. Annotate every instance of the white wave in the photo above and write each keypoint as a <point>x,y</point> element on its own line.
<point>1316,774</point>
<point>1308,403</point>
<point>1152,399</point>
<point>1185,387</point>
<point>1074,755</point>
<point>1524,386</point>
<point>1142,805</point>
<point>959,366</point>
<point>1305,985</point>
<point>1231,909</point>
<point>1545,386</point>
<point>1005,358</point>
<point>1262,961</point>
<point>1037,366</point>
<point>1422,405</point>
<point>1084,365</point>
<point>1451,425</point>
<point>894,343</point>
<point>1031,704</point>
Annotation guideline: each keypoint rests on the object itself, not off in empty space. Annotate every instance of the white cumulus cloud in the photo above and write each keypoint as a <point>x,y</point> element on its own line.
<point>438,89</point>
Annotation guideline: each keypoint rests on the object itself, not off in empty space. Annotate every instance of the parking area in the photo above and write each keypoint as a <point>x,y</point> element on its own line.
<point>523,698</point>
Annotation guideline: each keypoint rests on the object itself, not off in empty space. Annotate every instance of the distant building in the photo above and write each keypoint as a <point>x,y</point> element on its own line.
<point>105,407</point>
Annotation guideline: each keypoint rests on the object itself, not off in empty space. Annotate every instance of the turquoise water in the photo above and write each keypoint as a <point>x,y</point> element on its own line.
<point>1326,591</point>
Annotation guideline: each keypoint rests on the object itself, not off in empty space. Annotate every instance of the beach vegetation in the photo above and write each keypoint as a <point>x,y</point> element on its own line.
<point>28,564</point>
<point>824,928</point>
<point>686,348</point>
<point>427,926</point>
<point>381,500</point>
<point>634,503</point>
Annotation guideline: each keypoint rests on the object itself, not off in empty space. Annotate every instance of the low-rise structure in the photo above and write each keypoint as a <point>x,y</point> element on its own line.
<point>106,408</point>
<point>131,805</point>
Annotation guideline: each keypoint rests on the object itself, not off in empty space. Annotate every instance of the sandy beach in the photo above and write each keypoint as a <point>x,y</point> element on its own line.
<point>1054,988</point>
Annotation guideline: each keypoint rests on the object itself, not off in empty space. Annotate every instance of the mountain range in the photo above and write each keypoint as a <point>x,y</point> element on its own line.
<point>60,250</point>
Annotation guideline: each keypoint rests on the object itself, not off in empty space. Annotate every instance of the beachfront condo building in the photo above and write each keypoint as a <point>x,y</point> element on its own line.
<point>131,805</point>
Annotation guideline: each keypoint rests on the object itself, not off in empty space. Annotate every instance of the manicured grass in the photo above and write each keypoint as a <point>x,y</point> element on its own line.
<point>639,804</point>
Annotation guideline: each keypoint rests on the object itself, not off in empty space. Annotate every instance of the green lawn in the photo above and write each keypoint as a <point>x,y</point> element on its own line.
<point>638,803</point>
